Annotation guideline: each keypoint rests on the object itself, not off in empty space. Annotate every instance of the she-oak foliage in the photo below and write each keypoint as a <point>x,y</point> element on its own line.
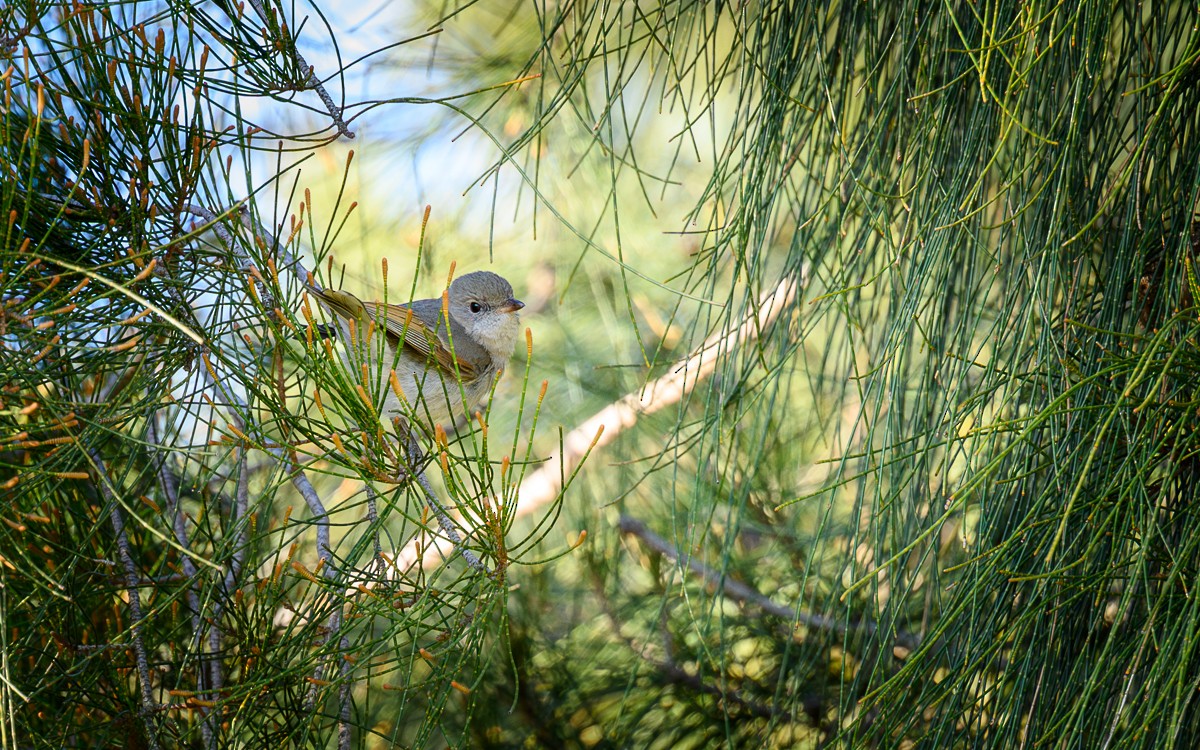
<point>964,461</point>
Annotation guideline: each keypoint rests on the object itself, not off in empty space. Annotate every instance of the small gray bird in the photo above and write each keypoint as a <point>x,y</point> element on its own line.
<point>409,352</point>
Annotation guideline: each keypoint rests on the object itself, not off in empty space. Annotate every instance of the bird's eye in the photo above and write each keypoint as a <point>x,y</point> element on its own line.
<point>476,307</point>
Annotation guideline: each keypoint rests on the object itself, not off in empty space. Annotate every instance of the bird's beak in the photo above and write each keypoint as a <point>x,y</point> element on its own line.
<point>511,306</point>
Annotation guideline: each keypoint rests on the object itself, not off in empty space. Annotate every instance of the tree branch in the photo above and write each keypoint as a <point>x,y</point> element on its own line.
<point>451,535</point>
<point>746,594</point>
<point>670,671</point>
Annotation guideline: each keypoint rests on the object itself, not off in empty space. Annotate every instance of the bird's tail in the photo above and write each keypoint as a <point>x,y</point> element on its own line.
<point>342,304</point>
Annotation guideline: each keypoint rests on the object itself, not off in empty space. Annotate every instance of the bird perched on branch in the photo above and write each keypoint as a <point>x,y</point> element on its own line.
<point>438,355</point>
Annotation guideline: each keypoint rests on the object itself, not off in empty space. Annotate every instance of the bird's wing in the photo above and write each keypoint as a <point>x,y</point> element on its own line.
<point>403,324</point>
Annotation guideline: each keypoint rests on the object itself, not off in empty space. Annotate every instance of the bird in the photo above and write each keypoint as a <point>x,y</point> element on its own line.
<point>432,359</point>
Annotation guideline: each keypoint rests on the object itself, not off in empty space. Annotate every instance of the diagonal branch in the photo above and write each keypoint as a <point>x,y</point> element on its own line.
<point>746,594</point>
<point>288,261</point>
<point>670,671</point>
<point>450,533</point>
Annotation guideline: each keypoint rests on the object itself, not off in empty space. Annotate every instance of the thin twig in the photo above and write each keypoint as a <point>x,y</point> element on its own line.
<point>170,488</point>
<point>344,715</point>
<point>242,493</point>
<point>315,506</point>
<point>215,636</point>
<point>210,725</point>
<point>672,672</point>
<point>287,261</point>
<point>216,682</point>
<point>216,679</point>
<point>299,480</point>
<point>450,533</point>
<point>131,586</point>
<point>325,557</point>
<point>373,520</point>
<point>742,592</point>
<point>245,262</point>
<point>241,509</point>
<point>213,220</point>
<point>334,111</point>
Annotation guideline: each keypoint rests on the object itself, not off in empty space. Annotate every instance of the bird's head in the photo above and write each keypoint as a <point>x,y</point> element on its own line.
<point>482,303</point>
